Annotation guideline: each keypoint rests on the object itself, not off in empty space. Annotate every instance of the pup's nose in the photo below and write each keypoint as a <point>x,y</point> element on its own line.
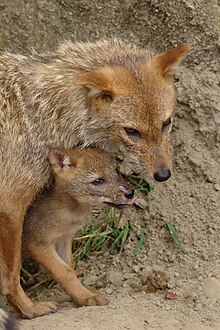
<point>162,175</point>
<point>129,193</point>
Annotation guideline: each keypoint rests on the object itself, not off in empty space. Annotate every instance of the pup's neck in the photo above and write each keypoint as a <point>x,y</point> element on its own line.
<point>69,202</point>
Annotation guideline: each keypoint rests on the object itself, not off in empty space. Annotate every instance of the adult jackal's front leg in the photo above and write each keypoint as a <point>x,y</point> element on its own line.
<point>10,256</point>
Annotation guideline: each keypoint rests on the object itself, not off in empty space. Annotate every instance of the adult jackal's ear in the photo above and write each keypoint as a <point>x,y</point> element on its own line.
<point>98,83</point>
<point>166,61</point>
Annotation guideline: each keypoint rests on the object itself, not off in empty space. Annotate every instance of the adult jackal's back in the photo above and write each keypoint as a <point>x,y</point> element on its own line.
<point>107,94</point>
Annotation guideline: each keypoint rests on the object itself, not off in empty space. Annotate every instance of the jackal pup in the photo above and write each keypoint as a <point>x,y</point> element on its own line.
<point>83,177</point>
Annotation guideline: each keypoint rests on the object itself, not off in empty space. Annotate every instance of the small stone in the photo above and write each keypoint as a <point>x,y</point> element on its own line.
<point>90,281</point>
<point>156,280</point>
<point>141,203</point>
<point>198,307</point>
<point>113,307</point>
<point>179,283</point>
<point>108,291</point>
<point>115,277</point>
<point>136,269</point>
<point>217,186</point>
<point>171,258</point>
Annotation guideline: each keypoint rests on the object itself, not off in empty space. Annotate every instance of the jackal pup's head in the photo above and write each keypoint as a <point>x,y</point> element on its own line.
<point>133,100</point>
<point>90,176</point>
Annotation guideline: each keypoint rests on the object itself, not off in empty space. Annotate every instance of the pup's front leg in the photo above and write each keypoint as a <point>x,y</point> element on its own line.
<point>64,249</point>
<point>48,257</point>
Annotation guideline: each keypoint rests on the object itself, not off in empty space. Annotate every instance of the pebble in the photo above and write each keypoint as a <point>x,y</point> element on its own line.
<point>172,258</point>
<point>198,307</point>
<point>90,281</point>
<point>115,277</point>
<point>108,291</point>
<point>136,269</point>
<point>217,187</point>
<point>113,306</point>
<point>179,283</point>
<point>141,203</point>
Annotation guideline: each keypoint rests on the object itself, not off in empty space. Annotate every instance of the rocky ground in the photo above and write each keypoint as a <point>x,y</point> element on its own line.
<point>136,286</point>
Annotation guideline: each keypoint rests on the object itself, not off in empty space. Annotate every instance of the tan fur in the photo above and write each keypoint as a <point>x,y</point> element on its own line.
<point>62,210</point>
<point>82,94</point>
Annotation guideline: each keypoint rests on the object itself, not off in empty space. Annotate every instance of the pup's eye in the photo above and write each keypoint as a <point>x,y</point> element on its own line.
<point>98,182</point>
<point>132,132</point>
<point>166,124</point>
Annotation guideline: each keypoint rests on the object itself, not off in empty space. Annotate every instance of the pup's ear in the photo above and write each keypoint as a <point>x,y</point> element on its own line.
<point>97,82</point>
<point>60,159</point>
<point>167,60</point>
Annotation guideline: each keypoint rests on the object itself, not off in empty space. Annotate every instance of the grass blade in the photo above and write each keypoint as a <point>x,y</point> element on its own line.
<point>175,236</point>
<point>125,235</point>
<point>141,184</point>
<point>115,243</point>
<point>139,245</point>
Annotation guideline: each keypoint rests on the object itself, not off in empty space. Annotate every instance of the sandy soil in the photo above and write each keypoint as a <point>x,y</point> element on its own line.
<point>190,199</point>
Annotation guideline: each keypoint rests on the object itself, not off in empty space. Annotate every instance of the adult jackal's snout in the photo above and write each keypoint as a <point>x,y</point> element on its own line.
<point>135,98</point>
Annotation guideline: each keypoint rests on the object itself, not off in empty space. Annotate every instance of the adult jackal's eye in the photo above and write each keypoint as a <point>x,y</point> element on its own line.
<point>107,96</point>
<point>166,124</point>
<point>132,132</point>
<point>98,181</point>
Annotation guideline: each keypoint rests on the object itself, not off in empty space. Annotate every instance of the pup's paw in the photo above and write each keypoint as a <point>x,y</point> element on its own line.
<point>96,300</point>
<point>39,309</point>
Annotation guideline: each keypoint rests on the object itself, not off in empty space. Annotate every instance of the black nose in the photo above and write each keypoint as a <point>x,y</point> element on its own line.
<point>162,175</point>
<point>129,193</point>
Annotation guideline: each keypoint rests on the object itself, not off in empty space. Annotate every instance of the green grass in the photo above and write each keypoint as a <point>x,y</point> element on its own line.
<point>140,184</point>
<point>107,234</point>
<point>175,236</point>
<point>140,243</point>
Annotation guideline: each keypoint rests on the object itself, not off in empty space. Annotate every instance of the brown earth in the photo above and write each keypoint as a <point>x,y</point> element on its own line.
<point>190,199</point>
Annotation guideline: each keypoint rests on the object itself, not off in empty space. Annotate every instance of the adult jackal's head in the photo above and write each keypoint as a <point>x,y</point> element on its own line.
<point>133,95</point>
